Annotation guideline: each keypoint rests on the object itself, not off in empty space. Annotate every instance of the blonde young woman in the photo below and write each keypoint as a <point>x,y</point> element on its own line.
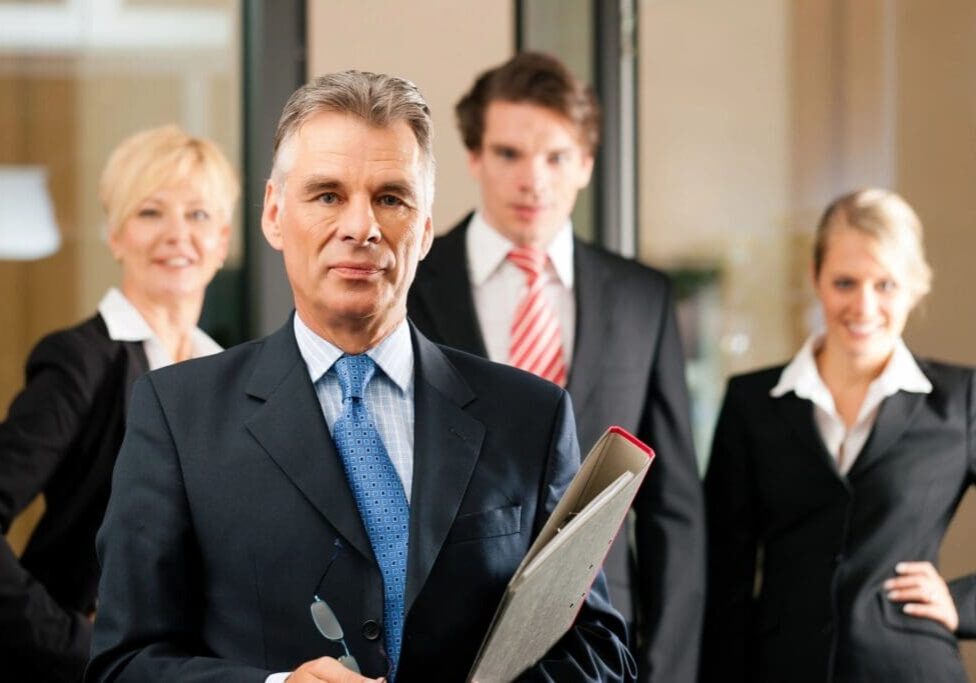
<point>832,481</point>
<point>168,198</point>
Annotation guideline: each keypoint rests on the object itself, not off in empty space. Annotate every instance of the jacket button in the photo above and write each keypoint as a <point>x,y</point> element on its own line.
<point>371,630</point>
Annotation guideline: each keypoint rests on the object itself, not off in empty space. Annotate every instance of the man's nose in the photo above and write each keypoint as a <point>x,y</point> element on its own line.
<point>359,223</point>
<point>532,174</point>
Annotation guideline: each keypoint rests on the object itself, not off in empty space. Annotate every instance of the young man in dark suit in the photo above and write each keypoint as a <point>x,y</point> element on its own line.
<point>344,459</point>
<point>511,283</point>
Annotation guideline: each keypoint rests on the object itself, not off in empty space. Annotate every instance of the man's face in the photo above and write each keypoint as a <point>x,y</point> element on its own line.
<point>531,165</point>
<point>351,217</point>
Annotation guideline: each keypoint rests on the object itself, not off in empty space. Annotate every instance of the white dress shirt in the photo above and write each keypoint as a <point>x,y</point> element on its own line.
<point>802,378</point>
<point>498,285</point>
<point>125,323</point>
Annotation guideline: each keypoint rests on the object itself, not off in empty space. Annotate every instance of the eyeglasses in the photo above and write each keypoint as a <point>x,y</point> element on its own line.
<point>325,619</point>
<point>327,624</point>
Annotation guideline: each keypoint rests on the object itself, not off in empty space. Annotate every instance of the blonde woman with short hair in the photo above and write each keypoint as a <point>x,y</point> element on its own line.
<point>833,479</point>
<point>168,198</point>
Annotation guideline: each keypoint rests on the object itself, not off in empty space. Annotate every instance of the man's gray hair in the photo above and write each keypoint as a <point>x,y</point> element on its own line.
<point>378,99</point>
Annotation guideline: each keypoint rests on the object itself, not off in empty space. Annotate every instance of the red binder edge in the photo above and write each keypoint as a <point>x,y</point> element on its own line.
<point>633,439</point>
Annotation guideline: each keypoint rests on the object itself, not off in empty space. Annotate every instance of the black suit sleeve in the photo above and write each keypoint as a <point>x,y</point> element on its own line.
<point>670,524</point>
<point>732,546</point>
<point>963,589</point>
<point>44,420</point>
<point>151,590</point>
<point>595,648</point>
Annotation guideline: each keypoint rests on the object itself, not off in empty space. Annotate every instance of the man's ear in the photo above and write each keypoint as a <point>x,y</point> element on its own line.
<point>270,215</point>
<point>474,163</point>
<point>427,239</point>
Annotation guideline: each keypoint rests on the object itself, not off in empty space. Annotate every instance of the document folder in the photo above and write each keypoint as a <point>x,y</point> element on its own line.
<point>553,580</point>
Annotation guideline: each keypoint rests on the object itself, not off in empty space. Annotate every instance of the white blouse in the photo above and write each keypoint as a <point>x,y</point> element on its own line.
<point>844,445</point>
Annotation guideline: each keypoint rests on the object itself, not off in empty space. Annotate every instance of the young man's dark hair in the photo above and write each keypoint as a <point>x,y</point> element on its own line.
<point>530,78</point>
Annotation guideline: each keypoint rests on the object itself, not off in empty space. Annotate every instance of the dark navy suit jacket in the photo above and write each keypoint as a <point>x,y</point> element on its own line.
<point>229,503</point>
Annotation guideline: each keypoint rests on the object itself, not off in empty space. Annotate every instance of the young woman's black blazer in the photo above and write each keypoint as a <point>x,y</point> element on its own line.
<point>827,543</point>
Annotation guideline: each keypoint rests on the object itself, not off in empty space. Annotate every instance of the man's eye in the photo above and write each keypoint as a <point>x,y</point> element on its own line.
<point>557,158</point>
<point>507,154</point>
<point>328,198</point>
<point>887,286</point>
<point>843,283</point>
<point>390,201</point>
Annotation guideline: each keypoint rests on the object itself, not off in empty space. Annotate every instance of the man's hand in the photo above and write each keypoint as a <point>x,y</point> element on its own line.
<point>327,670</point>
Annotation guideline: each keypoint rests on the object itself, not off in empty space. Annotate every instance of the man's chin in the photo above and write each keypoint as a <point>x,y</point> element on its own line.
<point>536,233</point>
<point>353,313</point>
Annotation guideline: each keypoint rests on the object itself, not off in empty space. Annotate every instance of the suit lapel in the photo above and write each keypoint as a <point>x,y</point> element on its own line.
<point>446,293</point>
<point>895,415</point>
<point>136,366</point>
<point>593,317</point>
<point>447,442</point>
<point>132,354</point>
<point>798,414</point>
<point>290,427</point>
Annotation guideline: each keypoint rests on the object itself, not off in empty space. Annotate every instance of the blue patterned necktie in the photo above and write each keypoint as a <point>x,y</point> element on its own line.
<point>378,491</point>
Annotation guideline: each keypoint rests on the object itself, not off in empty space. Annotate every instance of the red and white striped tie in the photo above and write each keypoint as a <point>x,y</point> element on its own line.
<point>536,342</point>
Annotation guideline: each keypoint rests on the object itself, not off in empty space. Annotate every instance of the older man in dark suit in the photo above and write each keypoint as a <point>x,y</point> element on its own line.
<point>343,460</point>
<point>511,283</point>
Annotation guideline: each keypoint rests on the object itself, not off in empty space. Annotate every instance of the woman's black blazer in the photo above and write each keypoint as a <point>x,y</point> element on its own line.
<point>798,553</point>
<point>60,438</point>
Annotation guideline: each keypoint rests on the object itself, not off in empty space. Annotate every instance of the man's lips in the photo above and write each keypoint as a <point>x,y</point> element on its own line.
<point>528,210</point>
<point>355,270</point>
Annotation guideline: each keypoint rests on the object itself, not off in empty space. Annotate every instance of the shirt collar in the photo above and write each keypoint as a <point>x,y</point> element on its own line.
<point>123,320</point>
<point>393,355</point>
<point>903,374</point>
<point>125,323</point>
<point>802,377</point>
<point>488,250</point>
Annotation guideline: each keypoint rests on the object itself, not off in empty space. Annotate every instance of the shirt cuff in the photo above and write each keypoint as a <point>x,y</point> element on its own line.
<point>277,678</point>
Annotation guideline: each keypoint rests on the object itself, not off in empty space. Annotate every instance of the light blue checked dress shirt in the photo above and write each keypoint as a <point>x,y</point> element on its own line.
<point>389,396</point>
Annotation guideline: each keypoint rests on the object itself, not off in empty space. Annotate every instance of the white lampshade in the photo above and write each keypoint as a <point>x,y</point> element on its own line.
<point>28,229</point>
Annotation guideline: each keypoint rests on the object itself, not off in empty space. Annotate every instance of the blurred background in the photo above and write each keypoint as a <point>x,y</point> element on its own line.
<point>728,128</point>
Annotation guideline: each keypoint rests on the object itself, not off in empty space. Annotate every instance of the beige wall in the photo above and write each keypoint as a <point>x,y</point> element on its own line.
<point>714,157</point>
<point>936,170</point>
<point>441,45</point>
